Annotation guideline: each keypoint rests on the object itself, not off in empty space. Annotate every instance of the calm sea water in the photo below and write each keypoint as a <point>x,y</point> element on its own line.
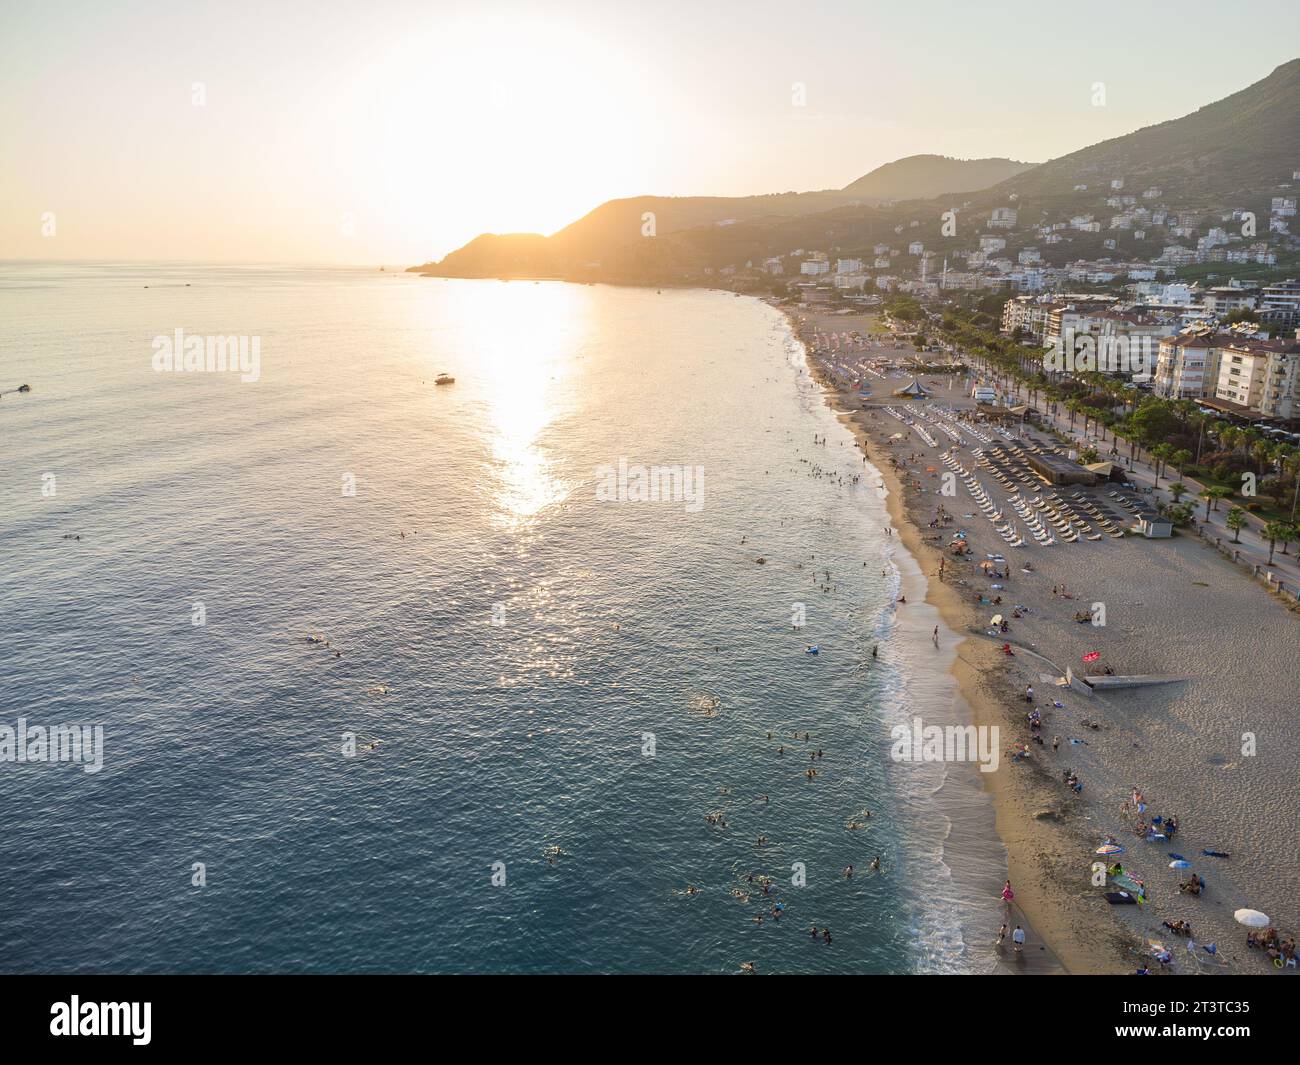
<point>510,653</point>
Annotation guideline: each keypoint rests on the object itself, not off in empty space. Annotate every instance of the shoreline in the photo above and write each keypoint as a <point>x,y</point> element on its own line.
<point>917,569</point>
<point>1176,742</point>
<point>979,710</point>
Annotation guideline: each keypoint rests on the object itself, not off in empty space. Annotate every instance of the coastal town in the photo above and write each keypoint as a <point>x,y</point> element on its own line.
<point>1134,648</point>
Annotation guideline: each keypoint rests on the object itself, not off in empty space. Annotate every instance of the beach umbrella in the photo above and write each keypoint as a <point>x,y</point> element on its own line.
<point>1181,864</point>
<point>1252,918</point>
<point>1109,848</point>
<point>996,619</point>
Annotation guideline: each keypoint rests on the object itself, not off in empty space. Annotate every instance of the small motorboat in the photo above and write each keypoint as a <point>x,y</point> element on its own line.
<point>444,379</point>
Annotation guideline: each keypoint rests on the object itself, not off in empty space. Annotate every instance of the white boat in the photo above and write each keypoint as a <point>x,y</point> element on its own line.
<point>444,379</point>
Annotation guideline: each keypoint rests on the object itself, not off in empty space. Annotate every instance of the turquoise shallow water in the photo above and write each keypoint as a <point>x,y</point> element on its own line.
<point>498,741</point>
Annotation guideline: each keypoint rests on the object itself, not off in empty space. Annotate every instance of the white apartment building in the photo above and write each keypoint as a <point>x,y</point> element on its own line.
<point>848,266</point>
<point>1281,302</point>
<point>1187,365</point>
<point>1003,218</point>
<point>1241,375</point>
<point>1261,375</point>
<point>1224,299</point>
<point>814,267</point>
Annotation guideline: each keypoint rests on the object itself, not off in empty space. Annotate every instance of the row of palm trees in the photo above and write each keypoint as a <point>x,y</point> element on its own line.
<point>1140,421</point>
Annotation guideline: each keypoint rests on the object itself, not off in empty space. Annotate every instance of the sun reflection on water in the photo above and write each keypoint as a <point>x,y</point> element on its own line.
<point>523,363</point>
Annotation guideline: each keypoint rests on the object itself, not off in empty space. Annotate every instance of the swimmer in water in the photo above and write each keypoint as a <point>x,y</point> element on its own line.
<point>875,863</point>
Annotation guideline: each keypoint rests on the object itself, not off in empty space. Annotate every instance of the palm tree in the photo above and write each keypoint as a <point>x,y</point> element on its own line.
<point>1289,533</point>
<point>1228,437</point>
<point>1235,520</point>
<point>1160,452</point>
<point>1177,490</point>
<point>1273,532</point>
<point>1181,458</point>
<point>1261,452</point>
<point>1218,493</point>
<point>1292,463</point>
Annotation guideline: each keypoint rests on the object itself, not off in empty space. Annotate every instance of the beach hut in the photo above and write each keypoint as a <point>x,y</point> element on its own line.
<point>1155,527</point>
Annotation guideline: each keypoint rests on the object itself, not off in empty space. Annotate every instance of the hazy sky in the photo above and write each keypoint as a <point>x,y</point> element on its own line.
<point>391,131</point>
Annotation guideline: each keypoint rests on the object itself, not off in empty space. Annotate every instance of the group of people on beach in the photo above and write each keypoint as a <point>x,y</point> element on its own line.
<point>1281,952</point>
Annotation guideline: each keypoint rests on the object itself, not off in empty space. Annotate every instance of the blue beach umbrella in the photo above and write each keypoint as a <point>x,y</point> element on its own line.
<point>1181,864</point>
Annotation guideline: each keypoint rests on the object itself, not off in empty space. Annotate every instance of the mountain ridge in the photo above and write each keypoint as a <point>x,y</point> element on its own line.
<point>1232,153</point>
<point>624,220</point>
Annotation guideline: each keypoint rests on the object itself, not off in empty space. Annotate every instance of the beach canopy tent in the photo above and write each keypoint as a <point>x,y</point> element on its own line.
<point>1108,471</point>
<point>914,389</point>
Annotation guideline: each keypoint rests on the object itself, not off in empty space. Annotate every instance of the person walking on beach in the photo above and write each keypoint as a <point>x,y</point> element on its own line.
<point>1056,743</point>
<point>936,636</point>
<point>1018,938</point>
<point>1007,894</point>
<point>1002,934</point>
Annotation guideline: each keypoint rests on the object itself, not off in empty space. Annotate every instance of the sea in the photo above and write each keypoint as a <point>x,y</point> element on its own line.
<point>505,675</point>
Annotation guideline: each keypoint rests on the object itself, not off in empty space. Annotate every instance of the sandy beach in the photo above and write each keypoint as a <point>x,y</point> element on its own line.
<point>1172,608</point>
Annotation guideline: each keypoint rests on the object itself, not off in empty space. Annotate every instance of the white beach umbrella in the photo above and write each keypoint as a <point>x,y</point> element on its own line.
<point>1252,918</point>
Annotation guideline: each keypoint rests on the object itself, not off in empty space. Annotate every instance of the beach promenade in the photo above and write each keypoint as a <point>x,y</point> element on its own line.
<point>1248,546</point>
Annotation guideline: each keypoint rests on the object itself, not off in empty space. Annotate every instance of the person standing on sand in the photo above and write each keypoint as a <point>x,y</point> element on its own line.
<point>1002,934</point>
<point>1018,938</point>
<point>1007,894</point>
